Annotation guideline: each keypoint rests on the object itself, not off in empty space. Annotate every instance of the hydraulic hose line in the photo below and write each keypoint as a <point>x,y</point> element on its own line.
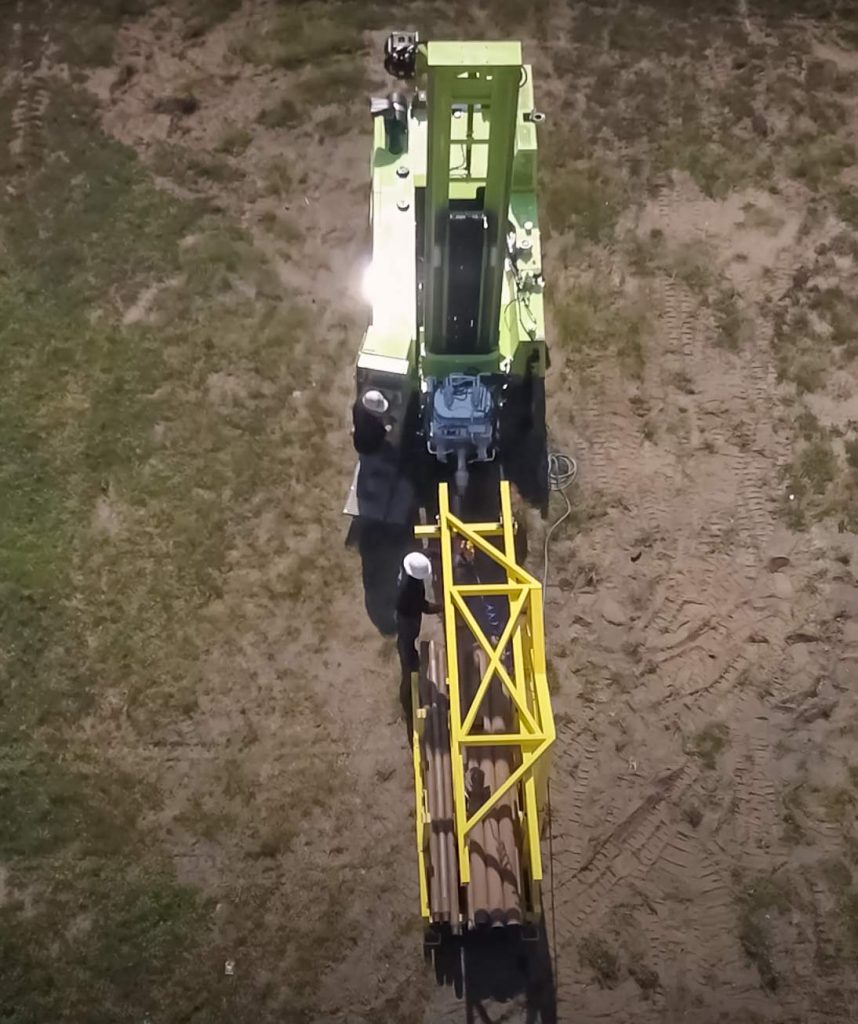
<point>562,471</point>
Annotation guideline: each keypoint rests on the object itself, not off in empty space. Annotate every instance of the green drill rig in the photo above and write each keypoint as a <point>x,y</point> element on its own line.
<point>457,339</point>
<point>454,361</point>
<point>453,364</point>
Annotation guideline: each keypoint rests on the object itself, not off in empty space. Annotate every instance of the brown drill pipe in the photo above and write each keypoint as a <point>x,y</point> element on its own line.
<point>508,858</point>
<point>449,857</point>
<point>477,891</point>
<point>431,750</point>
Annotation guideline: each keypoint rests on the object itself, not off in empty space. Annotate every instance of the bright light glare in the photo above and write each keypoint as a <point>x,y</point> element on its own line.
<point>369,284</point>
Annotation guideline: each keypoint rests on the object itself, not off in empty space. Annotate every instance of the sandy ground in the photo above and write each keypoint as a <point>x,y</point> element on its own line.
<point>703,648</point>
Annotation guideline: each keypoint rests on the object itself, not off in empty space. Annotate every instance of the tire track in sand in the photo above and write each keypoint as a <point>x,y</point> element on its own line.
<point>705,888</point>
<point>626,853</point>
<point>30,40</point>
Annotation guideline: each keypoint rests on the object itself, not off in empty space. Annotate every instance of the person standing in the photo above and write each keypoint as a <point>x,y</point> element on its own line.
<point>411,605</point>
<point>369,427</point>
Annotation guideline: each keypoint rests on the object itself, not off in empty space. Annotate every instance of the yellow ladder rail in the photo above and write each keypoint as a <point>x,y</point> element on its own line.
<point>523,637</point>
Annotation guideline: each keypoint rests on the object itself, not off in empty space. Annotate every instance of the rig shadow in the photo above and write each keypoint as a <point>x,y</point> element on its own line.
<point>381,547</point>
<point>492,968</point>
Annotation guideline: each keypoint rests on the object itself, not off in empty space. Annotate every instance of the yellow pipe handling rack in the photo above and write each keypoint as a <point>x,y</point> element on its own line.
<point>521,645</point>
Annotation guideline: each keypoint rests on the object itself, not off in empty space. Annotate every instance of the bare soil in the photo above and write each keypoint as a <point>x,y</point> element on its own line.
<point>700,203</point>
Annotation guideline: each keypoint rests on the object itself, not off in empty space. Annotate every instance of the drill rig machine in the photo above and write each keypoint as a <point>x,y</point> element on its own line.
<point>456,345</point>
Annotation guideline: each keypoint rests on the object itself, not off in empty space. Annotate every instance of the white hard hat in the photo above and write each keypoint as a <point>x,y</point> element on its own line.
<point>417,566</point>
<point>375,402</point>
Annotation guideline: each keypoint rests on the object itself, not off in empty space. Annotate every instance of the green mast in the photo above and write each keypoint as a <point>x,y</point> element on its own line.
<point>473,92</point>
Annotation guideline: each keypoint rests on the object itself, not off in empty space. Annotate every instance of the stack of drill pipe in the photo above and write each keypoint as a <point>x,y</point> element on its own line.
<point>449,832</point>
<point>444,876</point>
<point>478,887</point>
<point>430,757</point>
<point>494,896</point>
<point>501,820</point>
<point>494,883</point>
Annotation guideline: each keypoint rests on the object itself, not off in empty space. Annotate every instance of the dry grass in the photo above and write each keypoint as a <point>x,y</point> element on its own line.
<point>212,438</point>
<point>760,900</point>
<point>732,325</point>
<point>709,742</point>
<point>191,168</point>
<point>310,33</point>
<point>691,263</point>
<point>131,472</point>
<point>598,957</point>
<point>823,481</point>
<point>584,199</point>
<point>234,141</point>
<point>819,159</point>
<point>284,114</point>
<point>590,321</point>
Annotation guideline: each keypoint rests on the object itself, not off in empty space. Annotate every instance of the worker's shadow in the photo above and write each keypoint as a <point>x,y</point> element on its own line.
<point>491,969</point>
<point>381,547</point>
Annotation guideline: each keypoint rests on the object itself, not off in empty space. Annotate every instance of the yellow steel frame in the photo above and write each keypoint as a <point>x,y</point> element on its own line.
<point>527,686</point>
<point>421,813</point>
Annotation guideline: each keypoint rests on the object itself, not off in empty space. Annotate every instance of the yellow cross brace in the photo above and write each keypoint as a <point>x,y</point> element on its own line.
<point>527,686</point>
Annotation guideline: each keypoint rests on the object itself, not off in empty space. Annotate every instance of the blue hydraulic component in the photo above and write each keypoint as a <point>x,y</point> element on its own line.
<point>461,421</point>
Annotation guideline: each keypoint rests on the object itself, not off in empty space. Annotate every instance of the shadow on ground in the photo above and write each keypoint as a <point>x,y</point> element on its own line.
<point>381,547</point>
<point>490,970</point>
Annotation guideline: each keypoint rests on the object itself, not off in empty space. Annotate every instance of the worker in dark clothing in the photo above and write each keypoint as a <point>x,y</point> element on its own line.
<point>411,604</point>
<point>370,429</point>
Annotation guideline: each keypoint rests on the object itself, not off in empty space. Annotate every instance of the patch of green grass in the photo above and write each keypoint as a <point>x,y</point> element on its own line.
<point>848,912</point>
<point>308,33</point>
<point>336,124</point>
<point>837,875</point>
<point>717,164</point>
<point>592,322</point>
<point>805,355</point>
<point>104,944</point>
<point>692,814</point>
<point>692,263</point>
<point>793,814</point>
<point>731,324</point>
<point>46,807</point>
<point>598,957</point>
<point>682,381</point>
<point>284,114</point>
<point>91,45</point>
<point>336,81</point>
<point>282,228</point>
<point>202,15</point>
<point>838,309</point>
<point>218,255</point>
<point>191,167</point>
<point>585,199</point>
<point>846,206</point>
<point>800,356</point>
<point>838,802</point>
<point>646,977</point>
<point>185,430</point>
<point>793,832</point>
<point>818,160</point>
<point>765,896</point>
<point>808,426</point>
<point>83,33</point>
<point>809,374</point>
<point>817,465</point>
<point>709,741</point>
<point>234,141</point>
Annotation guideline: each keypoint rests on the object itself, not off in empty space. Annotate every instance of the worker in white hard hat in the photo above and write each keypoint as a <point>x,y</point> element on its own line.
<point>411,604</point>
<point>368,419</point>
